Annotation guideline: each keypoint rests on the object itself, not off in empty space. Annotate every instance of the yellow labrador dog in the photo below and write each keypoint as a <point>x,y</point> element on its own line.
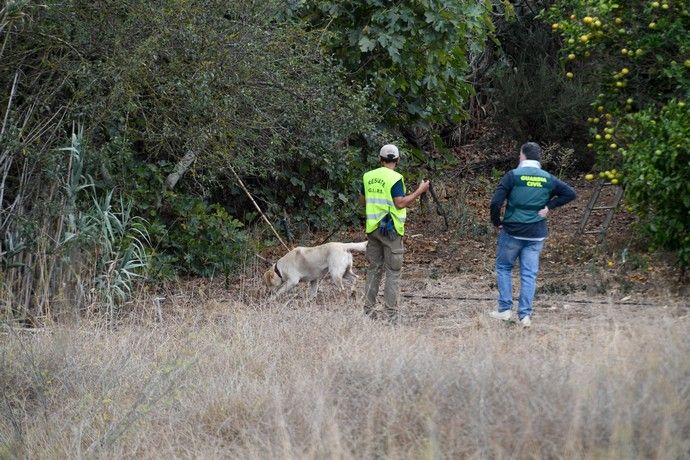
<point>311,263</point>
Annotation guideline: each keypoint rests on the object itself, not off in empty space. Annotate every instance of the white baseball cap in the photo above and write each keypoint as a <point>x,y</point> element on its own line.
<point>389,152</point>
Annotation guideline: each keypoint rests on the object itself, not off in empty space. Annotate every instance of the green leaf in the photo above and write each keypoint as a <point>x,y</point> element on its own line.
<point>366,44</point>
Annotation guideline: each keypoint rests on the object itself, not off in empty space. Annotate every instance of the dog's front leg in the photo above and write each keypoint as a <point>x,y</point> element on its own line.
<point>313,288</point>
<point>286,286</point>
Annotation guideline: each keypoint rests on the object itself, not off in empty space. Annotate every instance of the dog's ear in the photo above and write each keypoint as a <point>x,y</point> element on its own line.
<point>271,279</point>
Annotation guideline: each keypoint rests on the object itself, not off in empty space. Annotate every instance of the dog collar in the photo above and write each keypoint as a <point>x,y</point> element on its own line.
<point>275,269</point>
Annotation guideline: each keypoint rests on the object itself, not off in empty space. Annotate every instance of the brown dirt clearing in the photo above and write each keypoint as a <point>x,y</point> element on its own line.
<point>448,279</point>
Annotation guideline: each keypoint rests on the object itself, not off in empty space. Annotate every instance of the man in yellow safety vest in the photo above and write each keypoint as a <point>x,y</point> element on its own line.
<point>384,196</point>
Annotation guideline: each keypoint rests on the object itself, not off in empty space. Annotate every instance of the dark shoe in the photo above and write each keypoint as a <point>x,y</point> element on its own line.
<point>370,313</point>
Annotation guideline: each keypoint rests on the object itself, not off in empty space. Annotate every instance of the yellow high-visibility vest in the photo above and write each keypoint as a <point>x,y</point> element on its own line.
<point>378,184</point>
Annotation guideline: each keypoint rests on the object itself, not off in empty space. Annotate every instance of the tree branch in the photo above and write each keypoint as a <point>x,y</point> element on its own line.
<point>180,169</point>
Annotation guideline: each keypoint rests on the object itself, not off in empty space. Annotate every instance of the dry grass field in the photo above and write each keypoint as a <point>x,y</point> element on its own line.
<point>220,372</point>
<point>226,376</point>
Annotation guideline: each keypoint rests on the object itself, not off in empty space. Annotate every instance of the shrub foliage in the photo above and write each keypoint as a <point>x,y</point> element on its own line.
<point>220,84</point>
<point>639,53</point>
<point>414,55</point>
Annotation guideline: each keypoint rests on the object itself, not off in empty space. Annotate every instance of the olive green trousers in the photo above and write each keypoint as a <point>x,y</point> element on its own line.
<point>383,256</point>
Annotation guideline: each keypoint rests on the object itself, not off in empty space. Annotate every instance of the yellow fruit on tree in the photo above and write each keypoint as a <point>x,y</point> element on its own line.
<point>569,75</point>
<point>587,19</point>
<point>589,177</point>
<point>571,57</point>
<point>614,181</point>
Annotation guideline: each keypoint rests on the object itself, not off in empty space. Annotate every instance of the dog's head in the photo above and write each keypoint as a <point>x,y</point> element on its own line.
<point>272,277</point>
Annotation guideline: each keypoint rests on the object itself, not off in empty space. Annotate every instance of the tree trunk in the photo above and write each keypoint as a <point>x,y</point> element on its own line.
<point>181,168</point>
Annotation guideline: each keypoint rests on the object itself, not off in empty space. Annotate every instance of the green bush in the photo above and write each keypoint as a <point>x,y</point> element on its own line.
<point>534,101</point>
<point>657,169</point>
<point>201,239</point>
<point>228,82</point>
<point>638,52</point>
<point>415,55</point>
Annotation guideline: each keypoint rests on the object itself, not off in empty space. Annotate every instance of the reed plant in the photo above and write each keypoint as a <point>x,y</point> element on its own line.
<point>79,251</point>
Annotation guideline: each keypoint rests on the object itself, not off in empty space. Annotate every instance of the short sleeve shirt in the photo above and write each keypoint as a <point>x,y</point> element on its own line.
<point>396,191</point>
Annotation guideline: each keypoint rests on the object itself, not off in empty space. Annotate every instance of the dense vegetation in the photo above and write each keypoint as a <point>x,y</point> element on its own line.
<point>159,100</point>
<point>414,55</point>
<point>638,54</point>
<point>126,126</point>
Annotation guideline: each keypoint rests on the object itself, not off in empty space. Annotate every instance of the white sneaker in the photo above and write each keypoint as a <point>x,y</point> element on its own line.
<point>504,315</point>
<point>526,321</point>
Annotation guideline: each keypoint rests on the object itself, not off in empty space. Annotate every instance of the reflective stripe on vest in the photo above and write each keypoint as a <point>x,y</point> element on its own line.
<point>378,185</point>
<point>531,191</point>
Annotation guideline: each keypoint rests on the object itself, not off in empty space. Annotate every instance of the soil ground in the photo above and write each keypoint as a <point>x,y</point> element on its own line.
<point>448,274</point>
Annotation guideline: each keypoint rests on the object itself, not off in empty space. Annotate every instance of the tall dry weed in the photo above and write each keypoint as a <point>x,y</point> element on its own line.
<point>304,381</point>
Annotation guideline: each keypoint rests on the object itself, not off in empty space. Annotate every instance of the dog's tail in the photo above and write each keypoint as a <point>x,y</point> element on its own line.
<point>361,246</point>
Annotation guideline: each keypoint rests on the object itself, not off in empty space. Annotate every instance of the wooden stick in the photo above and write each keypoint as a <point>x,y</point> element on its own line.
<point>257,206</point>
<point>262,258</point>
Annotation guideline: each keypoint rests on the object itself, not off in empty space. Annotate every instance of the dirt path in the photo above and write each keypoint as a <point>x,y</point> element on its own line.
<point>449,275</point>
<point>449,281</point>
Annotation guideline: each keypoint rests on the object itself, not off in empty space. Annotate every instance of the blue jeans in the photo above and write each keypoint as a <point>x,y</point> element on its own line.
<point>507,251</point>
